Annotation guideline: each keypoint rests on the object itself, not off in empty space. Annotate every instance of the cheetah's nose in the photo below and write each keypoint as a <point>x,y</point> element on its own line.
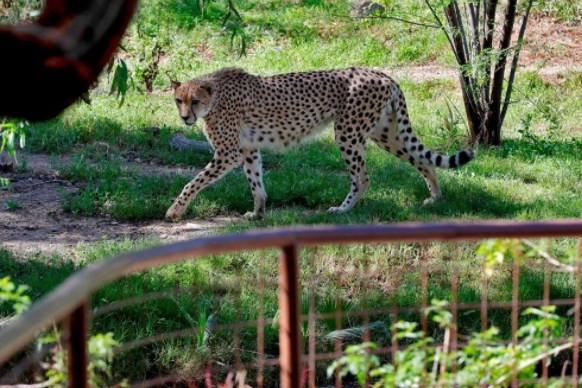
<point>185,118</point>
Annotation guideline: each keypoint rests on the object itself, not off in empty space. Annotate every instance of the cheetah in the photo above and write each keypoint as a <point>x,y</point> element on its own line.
<point>244,113</point>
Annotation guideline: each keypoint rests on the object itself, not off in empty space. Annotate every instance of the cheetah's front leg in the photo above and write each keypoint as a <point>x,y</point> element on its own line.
<point>220,165</point>
<point>254,171</point>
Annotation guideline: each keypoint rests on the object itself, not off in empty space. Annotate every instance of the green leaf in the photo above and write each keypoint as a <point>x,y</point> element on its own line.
<point>119,83</point>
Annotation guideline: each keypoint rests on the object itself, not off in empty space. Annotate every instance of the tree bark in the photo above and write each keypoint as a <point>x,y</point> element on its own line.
<point>493,125</point>
<point>467,83</point>
<point>489,27</point>
<point>515,62</point>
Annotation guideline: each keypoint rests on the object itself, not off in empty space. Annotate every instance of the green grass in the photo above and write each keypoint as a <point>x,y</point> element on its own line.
<point>12,205</point>
<point>568,11</point>
<point>329,273</point>
<point>279,34</point>
<point>535,174</point>
<point>302,184</point>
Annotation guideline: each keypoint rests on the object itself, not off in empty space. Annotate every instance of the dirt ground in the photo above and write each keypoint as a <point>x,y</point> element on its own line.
<point>550,43</point>
<point>42,226</point>
<point>552,49</point>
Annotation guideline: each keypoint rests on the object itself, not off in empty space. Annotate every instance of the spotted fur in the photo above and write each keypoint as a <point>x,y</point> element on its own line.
<point>244,113</point>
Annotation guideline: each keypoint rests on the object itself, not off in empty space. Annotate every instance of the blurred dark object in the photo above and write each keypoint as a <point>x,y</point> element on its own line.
<point>48,65</point>
<point>6,162</point>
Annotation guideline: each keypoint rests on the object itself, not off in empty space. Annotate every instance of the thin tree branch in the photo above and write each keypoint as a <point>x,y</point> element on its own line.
<point>443,368</point>
<point>551,260</point>
<point>389,17</point>
<point>435,364</point>
<point>489,23</point>
<point>392,18</point>
<point>536,359</point>
<point>442,26</point>
<point>474,12</point>
<point>515,61</point>
<point>488,27</point>
<point>468,57</point>
<point>462,33</point>
<point>468,83</point>
<point>493,122</point>
<point>483,23</point>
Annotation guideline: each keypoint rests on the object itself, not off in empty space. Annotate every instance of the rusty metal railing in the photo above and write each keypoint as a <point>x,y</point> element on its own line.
<point>69,303</point>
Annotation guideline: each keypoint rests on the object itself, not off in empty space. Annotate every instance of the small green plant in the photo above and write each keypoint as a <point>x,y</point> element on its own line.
<point>13,205</point>
<point>526,130</point>
<point>233,24</point>
<point>100,346</point>
<point>485,360</point>
<point>495,252</point>
<point>569,11</point>
<point>119,83</point>
<point>16,296</point>
<point>101,351</point>
<point>452,125</point>
<point>22,167</point>
<point>150,70</point>
<point>199,7</point>
<point>10,130</point>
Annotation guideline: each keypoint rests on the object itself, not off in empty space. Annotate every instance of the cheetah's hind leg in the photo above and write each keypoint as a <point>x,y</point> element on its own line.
<point>353,155</point>
<point>398,138</point>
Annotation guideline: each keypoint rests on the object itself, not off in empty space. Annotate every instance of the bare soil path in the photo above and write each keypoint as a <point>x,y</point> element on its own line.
<point>40,225</point>
<point>549,73</point>
<point>551,48</point>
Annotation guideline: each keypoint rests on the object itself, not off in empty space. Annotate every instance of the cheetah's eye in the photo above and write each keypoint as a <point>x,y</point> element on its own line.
<point>178,101</point>
<point>195,102</point>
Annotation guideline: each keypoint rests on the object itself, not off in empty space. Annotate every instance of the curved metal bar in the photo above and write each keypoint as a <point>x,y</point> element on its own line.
<point>76,289</point>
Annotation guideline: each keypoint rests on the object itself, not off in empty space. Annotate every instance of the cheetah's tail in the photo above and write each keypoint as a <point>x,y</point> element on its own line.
<point>448,161</point>
<point>416,151</point>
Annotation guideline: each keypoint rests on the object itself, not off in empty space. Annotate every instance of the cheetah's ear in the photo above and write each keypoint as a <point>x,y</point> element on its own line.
<point>175,84</point>
<point>208,86</point>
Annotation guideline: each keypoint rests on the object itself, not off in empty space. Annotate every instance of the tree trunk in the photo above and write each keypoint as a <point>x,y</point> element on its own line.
<point>474,121</point>
<point>492,130</point>
<point>493,124</point>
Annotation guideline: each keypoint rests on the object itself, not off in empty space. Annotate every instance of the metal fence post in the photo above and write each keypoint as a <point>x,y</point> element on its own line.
<point>289,332</point>
<point>76,324</point>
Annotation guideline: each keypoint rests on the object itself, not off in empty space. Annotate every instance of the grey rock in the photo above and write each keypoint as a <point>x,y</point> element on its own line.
<point>365,8</point>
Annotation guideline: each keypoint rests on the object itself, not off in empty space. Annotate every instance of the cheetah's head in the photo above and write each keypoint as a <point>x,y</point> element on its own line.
<point>193,99</point>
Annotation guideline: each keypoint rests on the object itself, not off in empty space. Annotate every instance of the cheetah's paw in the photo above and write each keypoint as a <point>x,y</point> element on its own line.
<point>336,210</point>
<point>175,212</point>
<point>253,216</point>
<point>431,201</point>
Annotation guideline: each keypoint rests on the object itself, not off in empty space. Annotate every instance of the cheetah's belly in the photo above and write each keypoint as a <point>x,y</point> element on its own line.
<point>280,136</point>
